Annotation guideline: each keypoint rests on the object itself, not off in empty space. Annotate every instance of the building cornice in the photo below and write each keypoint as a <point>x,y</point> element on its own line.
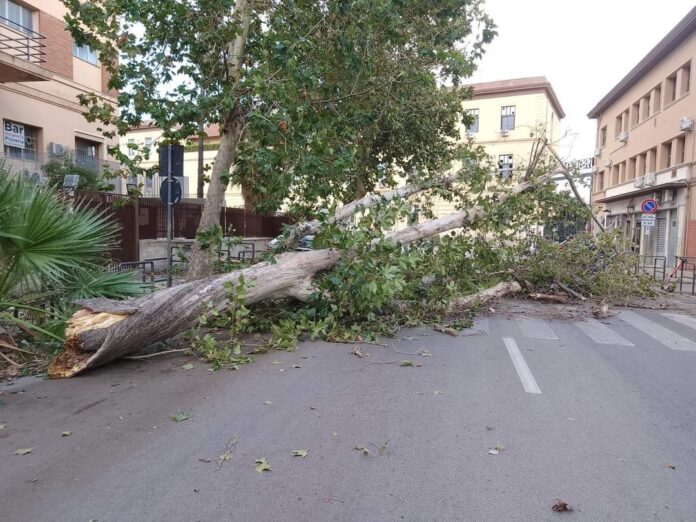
<point>670,42</point>
<point>517,86</point>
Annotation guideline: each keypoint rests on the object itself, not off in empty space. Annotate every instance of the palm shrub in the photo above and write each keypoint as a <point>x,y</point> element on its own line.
<point>52,253</point>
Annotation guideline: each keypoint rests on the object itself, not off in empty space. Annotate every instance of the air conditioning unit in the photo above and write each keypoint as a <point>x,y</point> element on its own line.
<point>607,163</point>
<point>57,149</point>
<point>597,152</point>
<point>470,135</point>
<point>623,136</point>
<point>504,133</point>
<point>686,124</point>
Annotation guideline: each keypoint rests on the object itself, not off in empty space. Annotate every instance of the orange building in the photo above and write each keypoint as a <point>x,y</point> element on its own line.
<point>42,73</point>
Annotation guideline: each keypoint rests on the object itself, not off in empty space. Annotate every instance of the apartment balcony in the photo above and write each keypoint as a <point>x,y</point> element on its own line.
<point>21,54</point>
<point>32,163</point>
<point>673,177</point>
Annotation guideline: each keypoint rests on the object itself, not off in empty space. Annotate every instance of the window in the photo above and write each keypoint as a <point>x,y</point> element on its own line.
<point>505,166</point>
<point>679,154</point>
<point>635,113</point>
<point>657,98</point>
<point>474,125</point>
<point>87,153</point>
<point>618,125</point>
<point>645,103</point>
<point>671,88</point>
<point>599,184</point>
<point>603,136</point>
<point>685,79</point>
<point>666,155</point>
<point>507,118</point>
<point>16,16</point>
<point>148,142</point>
<point>84,52</point>
<point>131,151</point>
<point>20,141</point>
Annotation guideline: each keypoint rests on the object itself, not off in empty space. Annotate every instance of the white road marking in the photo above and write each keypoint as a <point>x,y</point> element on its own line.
<point>536,329</point>
<point>659,333</point>
<point>528,382</point>
<point>480,327</point>
<point>683,319</point>
<point>600,333</point>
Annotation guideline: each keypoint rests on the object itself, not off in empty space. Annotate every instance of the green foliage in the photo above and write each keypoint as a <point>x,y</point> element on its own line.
<point>52,254</point>
<point>56,170</point>
<point>337,96</point>
<point>236,320</point>
<point>600,266</point>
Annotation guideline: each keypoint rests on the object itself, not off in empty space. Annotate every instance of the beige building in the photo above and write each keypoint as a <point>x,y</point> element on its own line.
<point>509,115</point>
<point>645,148</point>
<point>42,73</point>
<point>148,137</point>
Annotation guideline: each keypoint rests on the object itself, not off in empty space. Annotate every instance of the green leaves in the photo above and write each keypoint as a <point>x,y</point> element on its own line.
<point>181,416</point>
<point>262,465</point>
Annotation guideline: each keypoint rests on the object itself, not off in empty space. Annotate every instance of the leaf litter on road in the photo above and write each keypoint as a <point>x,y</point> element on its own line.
<point>187,366</point>
<point>66,434</point>
<point>262,465</point>
<point>181,416</point>
<point>300,453</point>
<point>561,506</point>
<point>23,451</point>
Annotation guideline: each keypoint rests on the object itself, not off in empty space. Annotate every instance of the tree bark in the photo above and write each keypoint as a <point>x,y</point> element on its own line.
<point>104,330</point>
<point>499,290</point>
<point>232,129</point>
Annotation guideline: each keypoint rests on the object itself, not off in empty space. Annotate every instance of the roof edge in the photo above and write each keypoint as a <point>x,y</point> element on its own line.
<point>676,36</point>
<point>535,83</point>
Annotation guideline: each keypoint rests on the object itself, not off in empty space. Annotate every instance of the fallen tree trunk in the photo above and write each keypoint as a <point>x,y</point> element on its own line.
<point>369,201</point>
<point>104,330</point>
<point>549,298</point>
<point>499,290</point>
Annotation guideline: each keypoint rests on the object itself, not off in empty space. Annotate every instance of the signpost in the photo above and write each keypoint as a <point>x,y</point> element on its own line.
<point>647,220</point>
<point>649,206</point>
<point>171,160</point>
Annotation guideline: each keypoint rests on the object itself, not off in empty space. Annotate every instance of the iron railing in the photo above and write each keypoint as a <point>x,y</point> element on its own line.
<point>655,266</point>
<point>29,161</point>
<point>685,274</point>
<point>21,42</point>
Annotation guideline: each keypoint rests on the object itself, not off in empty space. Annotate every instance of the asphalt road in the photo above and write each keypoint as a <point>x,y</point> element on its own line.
<point>599,415</point>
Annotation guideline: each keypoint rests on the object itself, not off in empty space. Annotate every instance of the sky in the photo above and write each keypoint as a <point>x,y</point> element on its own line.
<point>583,47</point>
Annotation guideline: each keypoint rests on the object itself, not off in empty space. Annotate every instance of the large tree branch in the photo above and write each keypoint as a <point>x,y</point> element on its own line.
<point>369,201</point>
<point>104,330</point>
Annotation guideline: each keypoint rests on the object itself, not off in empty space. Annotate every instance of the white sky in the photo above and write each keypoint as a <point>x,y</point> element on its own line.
<point>584,48</point>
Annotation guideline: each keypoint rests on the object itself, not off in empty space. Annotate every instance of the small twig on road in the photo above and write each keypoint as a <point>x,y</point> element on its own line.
<point>375,343</point>
<point>419,352</point>
<point>14,363</point>
<point>227,455</point>
<point>368,364</point>
<point>334,499</point>
<point>397,498</point>
<point>138,357</point>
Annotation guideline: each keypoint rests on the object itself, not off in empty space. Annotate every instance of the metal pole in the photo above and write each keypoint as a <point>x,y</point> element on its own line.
<point>201,130</point>
<point>169,216</point>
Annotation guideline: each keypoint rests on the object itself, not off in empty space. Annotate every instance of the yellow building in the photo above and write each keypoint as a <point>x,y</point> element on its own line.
<point>149,136</point>
<point>42,73</point>
<point>509,115</point>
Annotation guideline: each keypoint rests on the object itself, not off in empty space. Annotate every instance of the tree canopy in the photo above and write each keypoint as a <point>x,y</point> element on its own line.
<point>336,96</point>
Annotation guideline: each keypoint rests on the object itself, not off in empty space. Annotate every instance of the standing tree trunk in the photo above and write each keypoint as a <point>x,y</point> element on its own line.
<point>232,130</point>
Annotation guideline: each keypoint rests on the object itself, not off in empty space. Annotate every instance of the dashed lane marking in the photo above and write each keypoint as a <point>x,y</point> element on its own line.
<point>601,333</point>
<point>528,382</point>
<point>536,329</point>
<point>658,332</point>
<point>683,319</point>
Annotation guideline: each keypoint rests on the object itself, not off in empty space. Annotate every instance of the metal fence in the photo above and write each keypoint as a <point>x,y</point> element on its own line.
<point>21,42</point>
<point>682,278</point>
<point>146,218</point>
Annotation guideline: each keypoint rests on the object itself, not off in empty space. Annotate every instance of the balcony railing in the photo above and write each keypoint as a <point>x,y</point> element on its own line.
<point>31,162</point>
<point>21,42</point>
